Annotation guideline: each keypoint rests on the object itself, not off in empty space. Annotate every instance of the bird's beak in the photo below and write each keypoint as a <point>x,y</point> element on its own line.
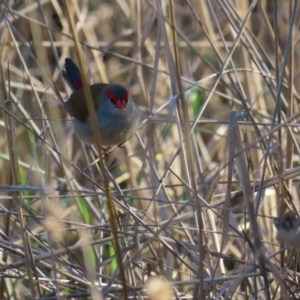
<point>121,103</point>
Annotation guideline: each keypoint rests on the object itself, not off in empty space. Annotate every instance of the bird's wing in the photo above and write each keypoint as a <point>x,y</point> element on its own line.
<point>76,106</point>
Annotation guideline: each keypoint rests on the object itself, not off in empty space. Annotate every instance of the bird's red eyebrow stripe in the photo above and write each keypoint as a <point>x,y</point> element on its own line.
<point>111,95</point>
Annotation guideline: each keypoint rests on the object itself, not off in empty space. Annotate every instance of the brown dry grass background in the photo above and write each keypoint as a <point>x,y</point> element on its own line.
<point>195,191</point>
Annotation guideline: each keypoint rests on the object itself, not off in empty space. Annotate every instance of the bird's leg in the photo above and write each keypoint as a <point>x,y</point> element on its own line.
<point>122,145</point>
<point>106,153</point>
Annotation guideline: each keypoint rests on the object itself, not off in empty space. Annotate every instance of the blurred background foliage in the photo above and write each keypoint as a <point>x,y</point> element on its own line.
<point>183,209</point>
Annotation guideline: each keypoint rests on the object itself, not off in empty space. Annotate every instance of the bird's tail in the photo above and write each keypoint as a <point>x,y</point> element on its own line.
<point>71,75</point>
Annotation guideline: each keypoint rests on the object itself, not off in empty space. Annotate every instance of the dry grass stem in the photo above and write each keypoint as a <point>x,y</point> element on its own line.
<point>203,202</point>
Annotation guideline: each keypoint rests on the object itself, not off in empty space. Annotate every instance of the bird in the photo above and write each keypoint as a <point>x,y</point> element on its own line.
<point>118,116</point>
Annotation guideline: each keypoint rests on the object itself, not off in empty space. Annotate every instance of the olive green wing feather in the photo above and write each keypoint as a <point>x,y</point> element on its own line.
<point>76,106</point>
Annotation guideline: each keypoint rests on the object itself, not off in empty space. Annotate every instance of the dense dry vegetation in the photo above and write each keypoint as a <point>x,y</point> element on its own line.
<point>204,199</point>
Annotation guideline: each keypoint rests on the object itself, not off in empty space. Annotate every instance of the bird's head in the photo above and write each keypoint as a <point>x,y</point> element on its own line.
<point>117,94</point>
